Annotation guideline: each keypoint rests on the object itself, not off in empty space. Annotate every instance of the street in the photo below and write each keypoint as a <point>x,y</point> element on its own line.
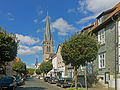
<point>37,84</point>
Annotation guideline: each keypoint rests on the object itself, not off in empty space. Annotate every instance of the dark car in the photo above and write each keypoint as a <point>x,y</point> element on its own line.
<point>64,82</point>
<point>52,80</point>
<point>8,82</point>
<point>46,79</point>
<point>19,81</point>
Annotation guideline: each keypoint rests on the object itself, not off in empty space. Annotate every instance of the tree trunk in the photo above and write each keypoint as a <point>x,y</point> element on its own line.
<point>43,75</point>
<point>4,65</point>
<point>76,78</point>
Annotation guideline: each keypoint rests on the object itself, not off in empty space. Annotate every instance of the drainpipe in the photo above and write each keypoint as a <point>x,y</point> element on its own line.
<point>115,53</point>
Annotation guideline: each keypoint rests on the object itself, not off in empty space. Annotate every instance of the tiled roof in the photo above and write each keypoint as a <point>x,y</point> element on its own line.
<point>112,12</point>
<point>17,59</point>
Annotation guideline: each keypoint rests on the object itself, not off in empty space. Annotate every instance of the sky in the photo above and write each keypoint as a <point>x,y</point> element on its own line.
<point>27,19</point>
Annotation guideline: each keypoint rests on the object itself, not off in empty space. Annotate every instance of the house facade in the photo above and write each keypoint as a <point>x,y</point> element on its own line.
<point>107,30</point>
<point>53,72</point>
<point>62,69</point>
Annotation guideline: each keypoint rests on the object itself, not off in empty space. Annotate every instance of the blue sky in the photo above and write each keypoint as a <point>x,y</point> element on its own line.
<point>26,18</point>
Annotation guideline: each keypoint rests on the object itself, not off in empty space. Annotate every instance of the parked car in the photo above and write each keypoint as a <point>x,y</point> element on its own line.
<point>19,81</point>
<point>8,82</point>
<point>46,79</point>
<point>41,77</point>
<point>64,82</point>
<point>52,80</point>
<point>80,81</point>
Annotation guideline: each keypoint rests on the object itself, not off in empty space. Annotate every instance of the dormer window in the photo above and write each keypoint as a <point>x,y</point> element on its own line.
<point>100,20</point>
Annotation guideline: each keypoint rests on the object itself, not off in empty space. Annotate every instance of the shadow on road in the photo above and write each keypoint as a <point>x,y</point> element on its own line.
<point>30,88</point>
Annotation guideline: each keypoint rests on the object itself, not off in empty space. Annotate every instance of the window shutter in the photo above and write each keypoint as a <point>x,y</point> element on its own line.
<point>98,36</point>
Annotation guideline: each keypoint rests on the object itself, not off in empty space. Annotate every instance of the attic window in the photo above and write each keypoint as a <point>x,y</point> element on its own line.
<point>100,20</point>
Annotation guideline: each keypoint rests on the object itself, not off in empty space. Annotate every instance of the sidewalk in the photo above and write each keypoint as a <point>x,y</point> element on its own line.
<point>100,89</point>
<point>92,89</point>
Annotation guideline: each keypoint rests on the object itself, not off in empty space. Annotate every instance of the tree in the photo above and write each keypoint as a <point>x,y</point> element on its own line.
<point>8,46</point>
<point>79,50</point>
<point>38,71</point>
<point>20,67</point>
<point>45,67</point>
<point>30,71</point>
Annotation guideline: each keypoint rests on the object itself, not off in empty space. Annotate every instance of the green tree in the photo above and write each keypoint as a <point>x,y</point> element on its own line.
<point>79,50</point>
<point>45,67</point>
<point>38,71</point>
<point>20,67</point>
<point>8,46</point>
<point>30,71</point>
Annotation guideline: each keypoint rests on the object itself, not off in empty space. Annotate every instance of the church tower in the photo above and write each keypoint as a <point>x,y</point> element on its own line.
<point>47,41</point>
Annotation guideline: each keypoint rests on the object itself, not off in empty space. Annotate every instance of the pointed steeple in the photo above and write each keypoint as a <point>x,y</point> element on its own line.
<point>47,35</point>
<point>47,41</point>
<point>36,62</point>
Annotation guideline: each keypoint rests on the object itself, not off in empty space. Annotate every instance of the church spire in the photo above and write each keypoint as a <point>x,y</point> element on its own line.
<point>36,61</point>
<point>47,35</point>
<point>47,41</point>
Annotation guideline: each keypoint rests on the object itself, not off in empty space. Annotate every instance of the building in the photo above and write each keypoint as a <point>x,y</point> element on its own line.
<point>107,30</point>
<point>17,59</point>
<point>6,69</point>
<point>53,72</point>
<point>36,66</point>
<point>62,69</point>
<point>47,41</point>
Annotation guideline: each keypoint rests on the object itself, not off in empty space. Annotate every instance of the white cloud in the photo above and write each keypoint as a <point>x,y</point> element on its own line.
<point>27,39</point>
<point>62,33</point>
<point>35,20</point>
<point>38,30</point>
<point>10,16</point>
<point>62,26</point>
<point>44,20</point>
<point>100,5</point>
<point>40,12</point>
<point>31,66</point>
<point>71,10</point>
<point>95,6</point>
<point>11,19</point>
<point>81,7</point>
<point>83,20</point>
<point>25,50</point>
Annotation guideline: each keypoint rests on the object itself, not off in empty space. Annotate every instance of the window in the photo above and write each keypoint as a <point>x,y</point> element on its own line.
<point>101,36</point>
<point>100,20</point>
<point>102,60</point>
<point>49,49</point>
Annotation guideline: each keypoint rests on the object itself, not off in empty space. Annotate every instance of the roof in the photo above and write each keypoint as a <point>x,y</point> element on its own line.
<point>47,36</point>
<point>114,10</point>
<point>106,12</point>
<point>58,47</point>
<point>17,59</point>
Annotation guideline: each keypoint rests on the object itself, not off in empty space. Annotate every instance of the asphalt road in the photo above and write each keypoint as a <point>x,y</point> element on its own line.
<point>37,84</point>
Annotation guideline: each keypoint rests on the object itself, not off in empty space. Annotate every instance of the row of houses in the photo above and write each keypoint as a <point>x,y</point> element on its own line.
<point>59,68</point>
<point>107,64</point>
<point>107,31</point>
